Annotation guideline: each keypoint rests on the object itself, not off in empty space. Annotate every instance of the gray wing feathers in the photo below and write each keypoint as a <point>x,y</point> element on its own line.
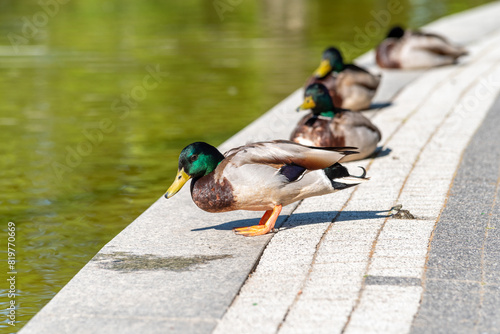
<point>281,152</point>
<point>436,44</point>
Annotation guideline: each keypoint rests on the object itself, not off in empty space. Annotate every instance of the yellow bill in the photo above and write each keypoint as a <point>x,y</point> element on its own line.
<point>180,179</point>
<point>307,104</point>
<point>323,69</point>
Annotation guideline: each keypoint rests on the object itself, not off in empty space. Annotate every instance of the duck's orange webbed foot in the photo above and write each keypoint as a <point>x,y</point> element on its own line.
<point>266,224</point>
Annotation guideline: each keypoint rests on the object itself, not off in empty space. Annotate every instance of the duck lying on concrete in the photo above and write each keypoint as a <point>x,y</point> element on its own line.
<point>327,125</point>
<point>350,86</point>
<point>412,49</point>
<point>261,176</point>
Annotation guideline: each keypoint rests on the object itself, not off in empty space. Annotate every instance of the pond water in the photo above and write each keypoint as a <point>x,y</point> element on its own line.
<point>99,97</point>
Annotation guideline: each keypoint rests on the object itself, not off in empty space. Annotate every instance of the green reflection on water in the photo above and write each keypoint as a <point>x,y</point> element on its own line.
<point>68,89</point>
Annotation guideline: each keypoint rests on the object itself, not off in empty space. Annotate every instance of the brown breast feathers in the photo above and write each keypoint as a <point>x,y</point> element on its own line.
<point>211,195</point>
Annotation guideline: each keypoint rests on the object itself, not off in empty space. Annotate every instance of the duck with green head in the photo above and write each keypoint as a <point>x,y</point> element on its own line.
<point>413,49</point>
<point>327,125</point>
<point>263,176</point>
<point>350,86</point>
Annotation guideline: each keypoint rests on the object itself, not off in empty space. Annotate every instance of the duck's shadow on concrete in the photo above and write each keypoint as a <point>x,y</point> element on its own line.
<point>300,219</point>
<point>381,152</point>
<point>380,105</point>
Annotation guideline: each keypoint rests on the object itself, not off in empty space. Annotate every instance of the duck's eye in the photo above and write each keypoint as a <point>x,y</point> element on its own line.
<point>193,157</point>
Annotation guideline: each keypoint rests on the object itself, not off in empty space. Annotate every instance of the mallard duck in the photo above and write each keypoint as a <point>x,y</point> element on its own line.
<point>260,176</point>
<point>415,49</point>
<point>350,86</point>
<point>327,125</point>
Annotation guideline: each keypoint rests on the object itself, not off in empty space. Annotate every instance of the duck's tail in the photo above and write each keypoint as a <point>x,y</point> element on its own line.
<point>341,179</point>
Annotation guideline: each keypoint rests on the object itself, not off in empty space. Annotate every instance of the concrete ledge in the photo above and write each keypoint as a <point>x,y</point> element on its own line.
<point>178,269</point>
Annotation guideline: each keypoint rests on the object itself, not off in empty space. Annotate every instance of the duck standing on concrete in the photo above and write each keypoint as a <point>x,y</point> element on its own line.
<point>415,49</point>
<point>260,176</point>
<point>350,86</point>
<point>327,125</point>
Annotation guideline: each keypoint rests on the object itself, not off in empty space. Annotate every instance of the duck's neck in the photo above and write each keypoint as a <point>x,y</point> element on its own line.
<point>206,164</point>
<point>324,105</point>
<point>330,113</point>
<point>337,67</point>
<point>213,165</point>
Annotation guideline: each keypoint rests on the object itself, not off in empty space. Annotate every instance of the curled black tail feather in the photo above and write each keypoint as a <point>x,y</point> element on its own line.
<point>362,176</point>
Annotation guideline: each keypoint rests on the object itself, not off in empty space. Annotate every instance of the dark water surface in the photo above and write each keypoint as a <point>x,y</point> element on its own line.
<point>97,98</point>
